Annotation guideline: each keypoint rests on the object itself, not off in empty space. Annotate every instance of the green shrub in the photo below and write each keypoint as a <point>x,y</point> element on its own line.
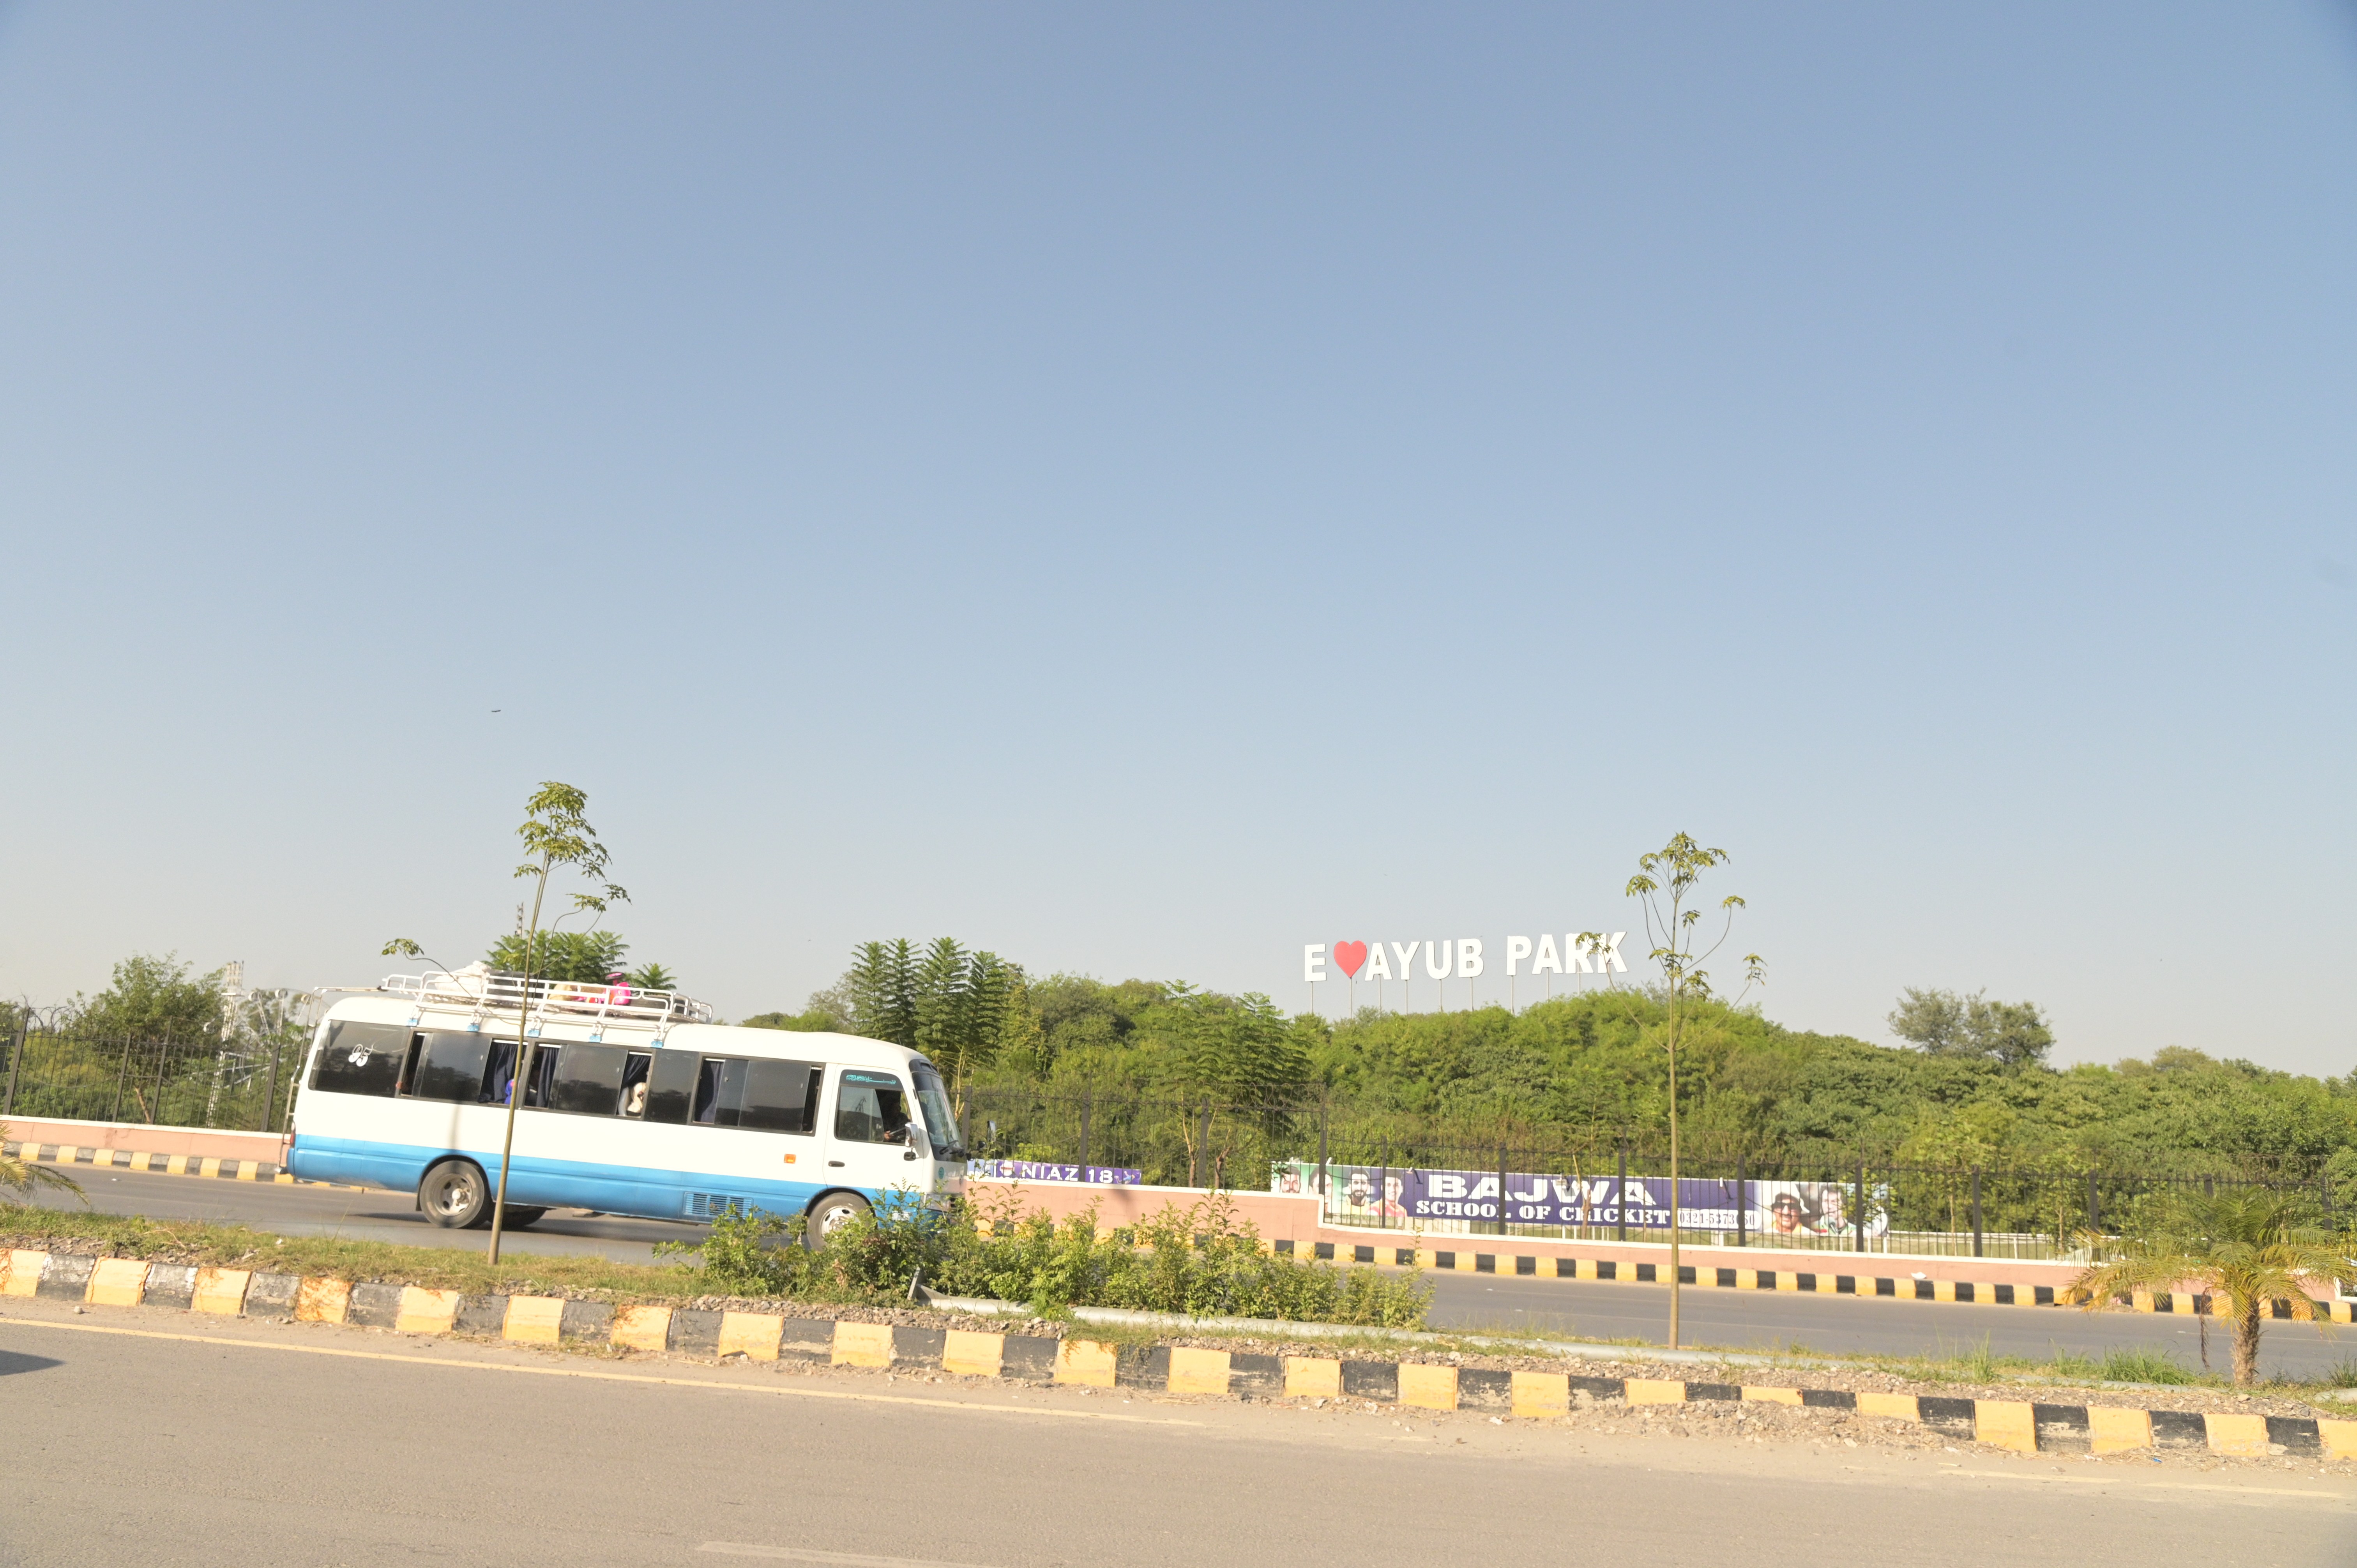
<point>749,1253</point>
<point>1201,1261</point>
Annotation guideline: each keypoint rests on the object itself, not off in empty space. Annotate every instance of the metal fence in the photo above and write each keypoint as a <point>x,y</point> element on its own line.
<point>245,1084</point>
<point>1361,1164</point>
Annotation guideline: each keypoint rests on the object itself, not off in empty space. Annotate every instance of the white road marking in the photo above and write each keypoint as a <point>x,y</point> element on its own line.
<point>803,1554</point>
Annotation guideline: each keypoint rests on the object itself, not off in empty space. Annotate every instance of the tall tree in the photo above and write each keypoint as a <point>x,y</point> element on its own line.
<point>1943,1023</point>
<point>1242,1050</point>
<point>153,998</point>
<point>882,983</point>
<point>947,1001</point>
<point>555,833</point>
<point>1666,887</point>
<point>584,956</point>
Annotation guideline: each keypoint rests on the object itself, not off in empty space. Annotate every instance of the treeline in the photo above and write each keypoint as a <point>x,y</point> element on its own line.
<point>1587,1070</point>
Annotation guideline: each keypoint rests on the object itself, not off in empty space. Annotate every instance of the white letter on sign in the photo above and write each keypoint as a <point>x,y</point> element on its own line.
<point>1608,958</point>
<point>1469,957</point>
<point>1517,949</point>
<point>1407,951</point>
<point>1546,963</point>
<point>1313,962</point>
<point>1378,966</point>
<point>1574,956</point>
<point>1437,969</point>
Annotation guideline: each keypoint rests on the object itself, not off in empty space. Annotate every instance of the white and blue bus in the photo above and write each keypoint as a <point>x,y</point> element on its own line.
<point>634,1103</point>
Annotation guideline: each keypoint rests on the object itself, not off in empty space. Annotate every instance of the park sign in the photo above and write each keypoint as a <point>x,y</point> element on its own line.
<point>1464,958</point>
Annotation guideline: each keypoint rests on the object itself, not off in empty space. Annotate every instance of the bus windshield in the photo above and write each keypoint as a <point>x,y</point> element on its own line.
<point>939,1122</point>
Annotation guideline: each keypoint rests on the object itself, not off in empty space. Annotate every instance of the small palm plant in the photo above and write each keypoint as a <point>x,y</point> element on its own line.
<point>23,1175</point>
<point>2245,1250</point>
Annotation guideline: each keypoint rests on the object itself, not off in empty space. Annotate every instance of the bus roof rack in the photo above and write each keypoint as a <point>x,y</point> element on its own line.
<point>477,990</point>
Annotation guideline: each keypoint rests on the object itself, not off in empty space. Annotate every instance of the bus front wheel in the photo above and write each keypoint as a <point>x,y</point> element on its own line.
<point>831,1214</point>
<point>454,1196</point>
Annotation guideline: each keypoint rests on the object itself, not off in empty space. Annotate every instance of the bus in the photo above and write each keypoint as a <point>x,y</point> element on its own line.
<point>634,1103</point>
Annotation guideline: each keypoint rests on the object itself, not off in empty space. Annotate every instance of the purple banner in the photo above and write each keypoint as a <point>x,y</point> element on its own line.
<point>1771,1207</point>
<point>1045,1170</point>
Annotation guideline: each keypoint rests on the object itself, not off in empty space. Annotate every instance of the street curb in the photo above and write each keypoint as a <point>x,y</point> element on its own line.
<point>163,1164</point>
<point>2020,1425</point>
<point>1806,1282</point>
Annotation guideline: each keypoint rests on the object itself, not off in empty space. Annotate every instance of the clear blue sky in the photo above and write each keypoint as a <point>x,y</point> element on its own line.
<point>1143,488</point>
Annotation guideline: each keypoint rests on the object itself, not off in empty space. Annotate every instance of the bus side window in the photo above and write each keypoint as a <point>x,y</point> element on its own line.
<point>501,1067</point>
<point>502,1070</point>
<point>542,1076</point>
<point>671,1086</point>
<point>720,1091</point>
<point>588,1079</point>
<point>360,1059</point>
<point>452,1066</point>
<point>870,1108</point>
<point>782,1097</point>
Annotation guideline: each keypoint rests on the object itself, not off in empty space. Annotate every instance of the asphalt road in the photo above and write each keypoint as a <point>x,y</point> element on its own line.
<point>143,1439</point>
<point>1837,1324</point>
<point>1827,1324</point>
<point>305,1211</point>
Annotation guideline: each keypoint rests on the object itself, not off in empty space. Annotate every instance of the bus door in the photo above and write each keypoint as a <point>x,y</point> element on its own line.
<point>877,1143</point>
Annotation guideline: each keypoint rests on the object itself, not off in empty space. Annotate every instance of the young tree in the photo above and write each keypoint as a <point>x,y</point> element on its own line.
<point>2248,1249</point>
<point>1664,884</point>
<point>23,1175</point>
<point>555,833</point>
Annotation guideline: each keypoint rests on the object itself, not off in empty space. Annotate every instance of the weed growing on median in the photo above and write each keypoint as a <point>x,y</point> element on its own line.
<point>2124,1364</point>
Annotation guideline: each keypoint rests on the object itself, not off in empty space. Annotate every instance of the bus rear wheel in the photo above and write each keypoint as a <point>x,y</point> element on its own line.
<point>454,1196</point>
<point>831,1214</point>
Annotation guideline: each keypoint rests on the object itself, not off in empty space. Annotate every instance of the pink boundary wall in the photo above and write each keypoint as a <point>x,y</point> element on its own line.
<point>144,1138</point>
<point>1287,1217</point>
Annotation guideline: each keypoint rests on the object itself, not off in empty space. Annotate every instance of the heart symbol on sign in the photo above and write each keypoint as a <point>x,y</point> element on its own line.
<point>1349,956</point>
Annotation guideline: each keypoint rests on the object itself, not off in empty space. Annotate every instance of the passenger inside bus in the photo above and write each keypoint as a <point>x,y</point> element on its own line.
<point>635,1073</point>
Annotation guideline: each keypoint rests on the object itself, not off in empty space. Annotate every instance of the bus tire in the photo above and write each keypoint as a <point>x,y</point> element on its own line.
<point>829,1214</point>
<point>455,1195</point>
<point>524,1218</point>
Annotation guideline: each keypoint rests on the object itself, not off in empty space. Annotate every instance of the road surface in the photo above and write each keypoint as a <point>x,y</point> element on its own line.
<point>1828,1325</point>
<point>142,1436</point>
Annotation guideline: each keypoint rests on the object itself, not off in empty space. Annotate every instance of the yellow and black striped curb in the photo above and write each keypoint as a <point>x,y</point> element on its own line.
<point>1803,1281</point>
<point>161,1164</point>
<point>2022,1425</point>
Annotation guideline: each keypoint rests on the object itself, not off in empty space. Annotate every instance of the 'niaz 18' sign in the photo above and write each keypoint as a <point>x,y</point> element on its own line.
<point>1461,958</point>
